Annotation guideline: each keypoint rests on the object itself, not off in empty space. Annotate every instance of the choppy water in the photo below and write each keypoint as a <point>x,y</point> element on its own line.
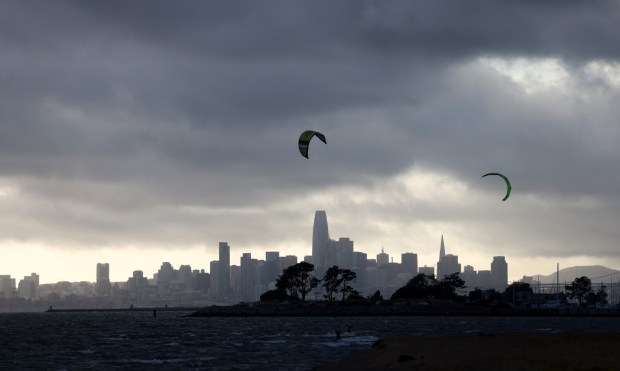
<point>137,340</point>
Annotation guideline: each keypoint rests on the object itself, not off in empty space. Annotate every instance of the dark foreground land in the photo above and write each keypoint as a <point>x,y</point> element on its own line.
<point>323,310</point>
<point>561,351</point>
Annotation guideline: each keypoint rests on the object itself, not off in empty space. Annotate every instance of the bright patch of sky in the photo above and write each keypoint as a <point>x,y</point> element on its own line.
<point>605,71</point>
<point>534,75</point>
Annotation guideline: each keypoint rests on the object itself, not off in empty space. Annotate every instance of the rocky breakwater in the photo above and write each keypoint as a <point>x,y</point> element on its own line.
<point>335,310</point>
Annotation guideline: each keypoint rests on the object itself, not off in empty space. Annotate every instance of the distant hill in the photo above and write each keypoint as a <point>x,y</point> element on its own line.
<point>568,275</point>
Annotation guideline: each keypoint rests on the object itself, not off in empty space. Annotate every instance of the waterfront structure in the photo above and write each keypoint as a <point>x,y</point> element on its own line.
<point>320,241</point>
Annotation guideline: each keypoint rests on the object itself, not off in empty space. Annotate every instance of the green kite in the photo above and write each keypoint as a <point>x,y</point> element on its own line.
<point>304,140</point>
<point>508,186</point>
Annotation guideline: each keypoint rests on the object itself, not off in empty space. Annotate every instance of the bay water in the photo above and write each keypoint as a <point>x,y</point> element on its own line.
<point>172,340</point>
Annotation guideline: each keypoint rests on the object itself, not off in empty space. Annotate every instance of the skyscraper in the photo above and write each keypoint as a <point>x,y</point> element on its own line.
<point>214,270</point>
<point>499,273</point>
<point>442,250</point>
<point>103,286</point>
<point>343,249</point>
<point>382,258</point>
<point>246,277</point>
<point>447,264</point>
<point>224,270</point>
<point>320,241</point>
<point>409,262</point>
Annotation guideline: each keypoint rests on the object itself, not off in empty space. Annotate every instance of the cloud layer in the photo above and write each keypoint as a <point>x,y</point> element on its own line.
<point>166,126</point>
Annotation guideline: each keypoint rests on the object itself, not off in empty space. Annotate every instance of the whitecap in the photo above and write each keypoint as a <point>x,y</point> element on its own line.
<point>148,361</point>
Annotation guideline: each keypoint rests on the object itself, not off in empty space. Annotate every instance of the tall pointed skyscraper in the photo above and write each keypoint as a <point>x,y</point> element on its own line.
<point>447,264</point>
<point>320,240</point>
<point>442,250</point>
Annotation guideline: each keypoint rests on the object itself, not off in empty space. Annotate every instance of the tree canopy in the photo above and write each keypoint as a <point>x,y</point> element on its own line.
<point>580,288</point>
<point>297,280</point>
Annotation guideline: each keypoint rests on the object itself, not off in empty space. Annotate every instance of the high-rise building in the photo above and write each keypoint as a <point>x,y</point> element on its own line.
<point>246,277</point>
<point>185,276</point>
<point>287,261</point>
<point>102,285</point>
<point>429,271</point>
<point>447,264</point>
<point>320,241</point>
<point>469,275</point>
<point>360,262</point>
<point>499,273</point>
<point>484,280</point>
<point>272,256</point>
<point>224,270</point>
<point>29,287</point>
<point>214,270</point>
<point>201,280</point>
<point>235,274</point>
<point>165,275</point>
<point>343,249</point>
<point>409,263</point>
<point>382,258</point>
<point>271,267</point>
<point>7,286</point>
<point>442,250</point>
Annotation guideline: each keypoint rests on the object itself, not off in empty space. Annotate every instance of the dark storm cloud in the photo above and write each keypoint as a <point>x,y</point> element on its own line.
<point>117,106</point>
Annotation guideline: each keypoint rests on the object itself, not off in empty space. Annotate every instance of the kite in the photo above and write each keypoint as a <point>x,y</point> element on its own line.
<point>304,141</point>
<point>508,186</point>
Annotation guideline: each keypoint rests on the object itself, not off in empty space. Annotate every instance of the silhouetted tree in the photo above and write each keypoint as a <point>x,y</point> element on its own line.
<point>337,280</point>
<point>331,282</point>
<point>420,286</point>
<point>346,276</point>
<point>355,297</point>
<point>285,281</point>
<point>447,288</point>
<point>376,297</point>
<point>597,298</point>
<point>273,295</point>
<point>297,280</point>
<point>476,295</point>
<point>514,288</point>
<point>580,289</point>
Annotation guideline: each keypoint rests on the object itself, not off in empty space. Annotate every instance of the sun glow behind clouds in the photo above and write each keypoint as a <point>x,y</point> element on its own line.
<point>534,75</point>
<point>606,71</point>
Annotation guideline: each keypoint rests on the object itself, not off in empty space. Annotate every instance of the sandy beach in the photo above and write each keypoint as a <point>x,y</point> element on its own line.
<point>537,351</point>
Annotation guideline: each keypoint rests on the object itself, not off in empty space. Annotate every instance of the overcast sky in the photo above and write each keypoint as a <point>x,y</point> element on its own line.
<point>137,132</point>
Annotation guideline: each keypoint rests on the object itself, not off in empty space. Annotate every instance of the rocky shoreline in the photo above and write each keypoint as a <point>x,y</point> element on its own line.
<point>525,351</point>
<point>323,310</point>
